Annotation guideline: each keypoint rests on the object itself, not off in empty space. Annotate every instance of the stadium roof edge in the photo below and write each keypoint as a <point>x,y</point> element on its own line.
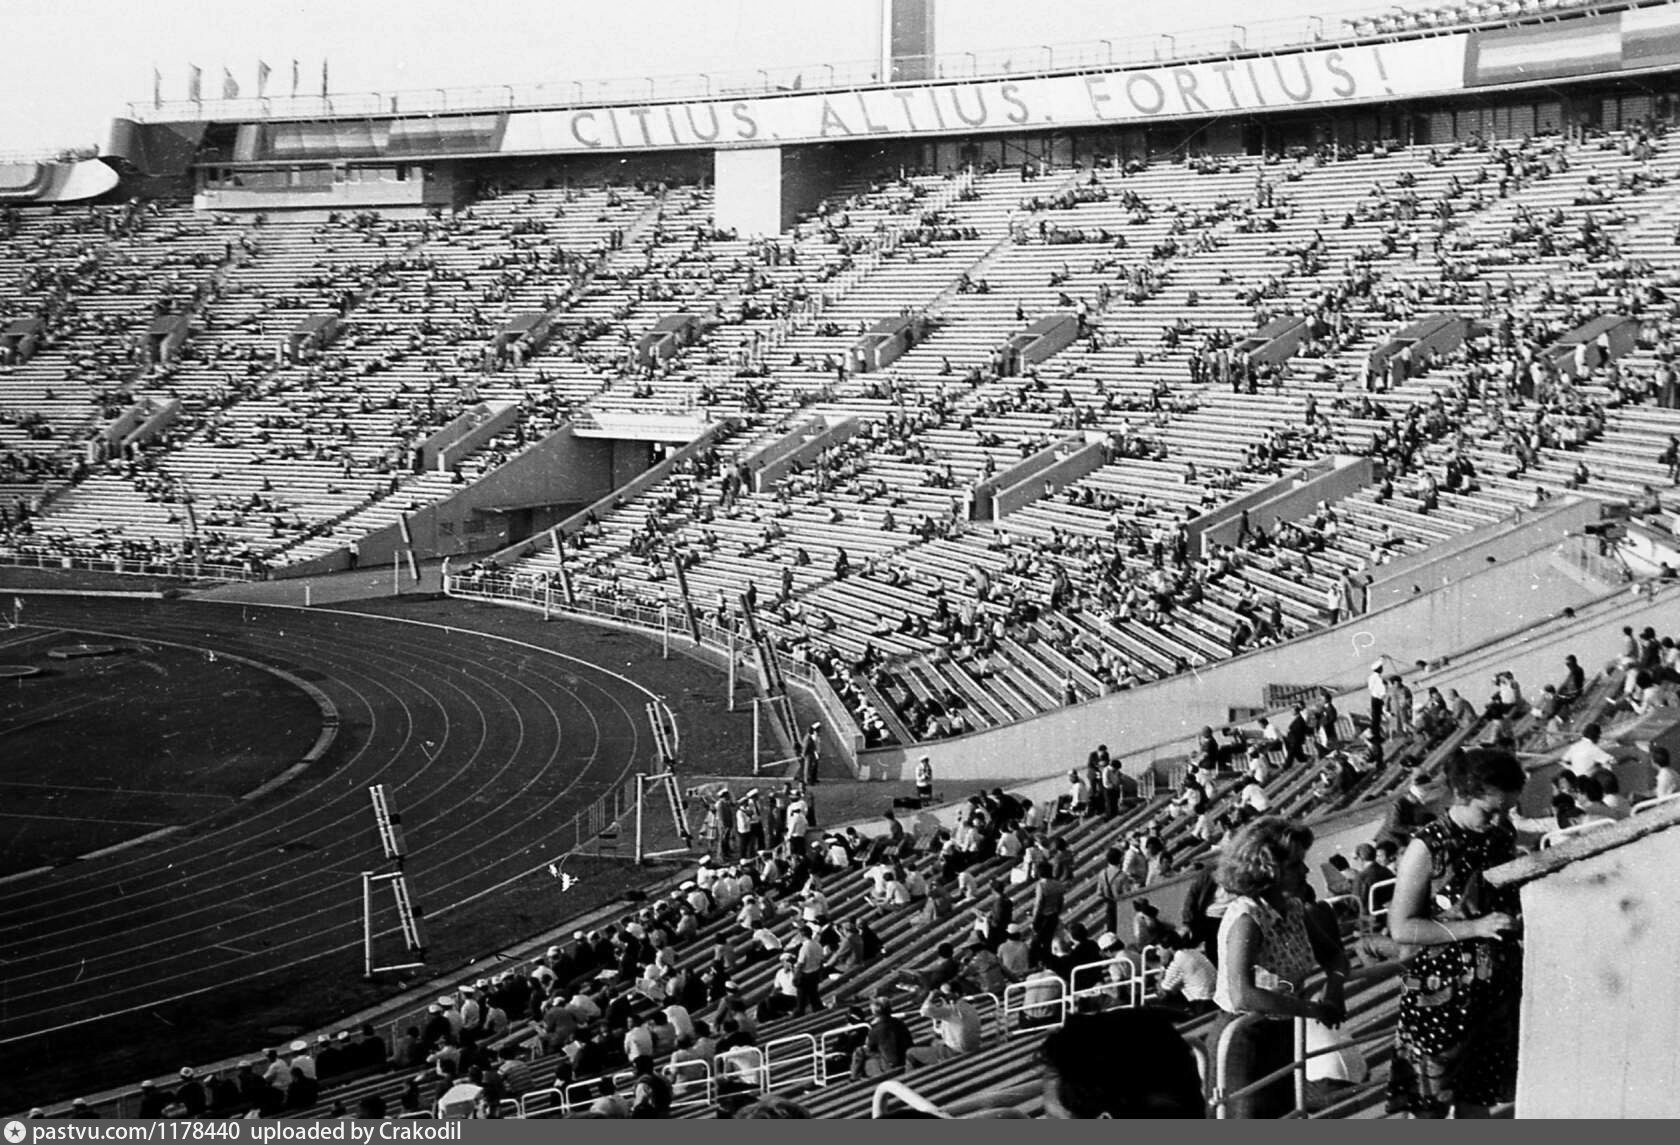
<point>320,109</point>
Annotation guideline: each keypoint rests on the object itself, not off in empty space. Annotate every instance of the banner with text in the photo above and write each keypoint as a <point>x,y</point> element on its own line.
<point>1131,96</point>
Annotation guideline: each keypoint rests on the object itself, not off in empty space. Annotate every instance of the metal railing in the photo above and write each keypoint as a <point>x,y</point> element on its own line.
<point>1034,1005</point>
<point>1653,803</point>
<point>824,1070</point>
<point>1119,981</point>
<point>1223,1096</point>
<point>790,1060</point>
<point>172,569</point>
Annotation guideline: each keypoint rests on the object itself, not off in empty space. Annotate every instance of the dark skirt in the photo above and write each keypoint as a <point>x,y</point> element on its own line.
<point>1257,1049</point>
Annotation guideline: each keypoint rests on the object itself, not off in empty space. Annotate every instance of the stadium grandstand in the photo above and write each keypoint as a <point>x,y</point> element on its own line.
<point>1220,492</point>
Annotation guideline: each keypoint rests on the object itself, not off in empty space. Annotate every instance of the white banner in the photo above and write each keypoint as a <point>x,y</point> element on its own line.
<point>1219,87</point>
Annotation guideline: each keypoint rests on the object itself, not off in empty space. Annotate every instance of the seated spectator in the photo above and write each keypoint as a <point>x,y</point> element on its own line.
<point>886,1044</point>
<point>1585,754</point>
<point>1666,780</point>
<point>938,973</point>
<point>1188,982</point>
<point>956,1026</point>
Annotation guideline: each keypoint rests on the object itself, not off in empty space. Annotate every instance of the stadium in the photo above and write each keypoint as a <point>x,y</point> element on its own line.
<point>1111,578</point>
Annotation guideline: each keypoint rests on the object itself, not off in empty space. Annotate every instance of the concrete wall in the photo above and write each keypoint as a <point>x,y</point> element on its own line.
<point>1049,336</point>
<point>1599,1034</point>
<point>808,177</point>
<point>436,189</point>
<point>1289,498</point>
<point>560,468</point>
<point>1470,553</point>
<point>1021,485</point>
<point>1468,613</point>
<point>624,493</point>
<point>1276,341</point>
<point>465,432</point>
<point>630,459</point>
<point>749,190</point>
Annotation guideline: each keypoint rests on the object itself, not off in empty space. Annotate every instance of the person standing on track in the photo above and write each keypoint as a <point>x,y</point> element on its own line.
<point>809,752</point>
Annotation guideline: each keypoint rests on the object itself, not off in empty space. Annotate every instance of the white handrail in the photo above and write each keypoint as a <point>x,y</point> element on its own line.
<point>1564,834</point>
<point>1655,801</point>
<point>905,1095</point>
<point>825,1050</point>
<point>808,1055</point>
<point>1108,985</point>
<point>736,1065</point>
<point>554,1108</point>
<point>1048,1005</point>
<point>1371,908</point>
<point>698,1090</point>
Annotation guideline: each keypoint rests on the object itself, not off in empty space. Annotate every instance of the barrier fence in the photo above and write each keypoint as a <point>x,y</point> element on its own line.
<point>170,569</point>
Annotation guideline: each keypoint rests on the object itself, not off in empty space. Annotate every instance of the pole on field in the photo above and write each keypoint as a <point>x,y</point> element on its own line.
<point>396,574</point>
<point>367,922</point>
<point>548,602</point>
<point>308,593</point>
<point>665,630</point>
<point>755,735</point>
<point>731,667</point>
<point>639,793</point>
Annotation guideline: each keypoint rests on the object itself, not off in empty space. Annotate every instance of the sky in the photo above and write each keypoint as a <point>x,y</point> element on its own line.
<point>71,66</point>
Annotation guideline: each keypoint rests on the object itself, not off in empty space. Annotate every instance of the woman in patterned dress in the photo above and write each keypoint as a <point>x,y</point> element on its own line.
<point>1456,1043</point>
<point>1265,957</point>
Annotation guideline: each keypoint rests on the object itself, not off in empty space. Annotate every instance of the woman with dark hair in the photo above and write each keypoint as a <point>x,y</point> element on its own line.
<point>1120,1064</point>
<point>1456,1042</point>
<point>1265,957</point>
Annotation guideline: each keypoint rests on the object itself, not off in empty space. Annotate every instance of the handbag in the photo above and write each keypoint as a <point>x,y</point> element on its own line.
<point>1341,1061</point>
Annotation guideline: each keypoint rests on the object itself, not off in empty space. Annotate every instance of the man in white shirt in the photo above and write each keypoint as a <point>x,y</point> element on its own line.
<point>682,1022</point>
<point>1078,794</point>
<point>727,890</point>
<point>1584,754</point>
<point>303,1061</point>
<point>1377,685</point>
<point>1013,952</point>
<point>956,1027</point>
<point>584,1008</point>
<point>279,1071</point>
<point>460,1101</point>
<point>798,826</point>
<point>472,1013</point>
<point>638,1039</point>
<point>809,964</point>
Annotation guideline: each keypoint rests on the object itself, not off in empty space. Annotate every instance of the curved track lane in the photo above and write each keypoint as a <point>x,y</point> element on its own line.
<point>489,747</point>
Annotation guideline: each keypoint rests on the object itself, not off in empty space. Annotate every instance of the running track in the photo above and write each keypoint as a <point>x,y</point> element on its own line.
<point>488,748</point>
